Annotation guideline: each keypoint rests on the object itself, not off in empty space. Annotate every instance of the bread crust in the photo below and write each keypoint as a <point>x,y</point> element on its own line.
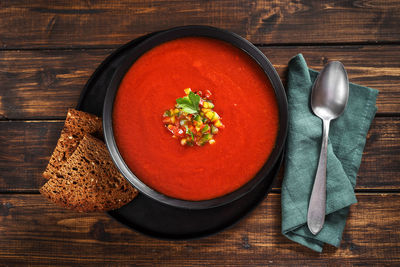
<point>89,181</point>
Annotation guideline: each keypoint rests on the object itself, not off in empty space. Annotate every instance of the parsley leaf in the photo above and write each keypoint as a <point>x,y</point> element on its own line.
<point>190,103</point>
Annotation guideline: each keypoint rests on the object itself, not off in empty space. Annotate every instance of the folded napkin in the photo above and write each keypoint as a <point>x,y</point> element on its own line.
<point>346,143</point>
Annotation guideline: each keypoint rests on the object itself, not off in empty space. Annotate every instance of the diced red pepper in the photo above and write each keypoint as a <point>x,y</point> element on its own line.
<point>166,120</point>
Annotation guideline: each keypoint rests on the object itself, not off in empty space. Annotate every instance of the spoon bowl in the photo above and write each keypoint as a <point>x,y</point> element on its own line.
<point>330,91</point>
<point>329,98</point>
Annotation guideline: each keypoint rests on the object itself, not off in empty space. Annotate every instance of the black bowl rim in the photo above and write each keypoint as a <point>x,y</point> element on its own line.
<point>197,31</point>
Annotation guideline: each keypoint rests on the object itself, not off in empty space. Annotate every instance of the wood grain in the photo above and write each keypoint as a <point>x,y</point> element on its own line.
<point>33,24</point>
<point>43,84</point>
<point>25,151</point>
<point>27,146</point>
<point>35,231</point>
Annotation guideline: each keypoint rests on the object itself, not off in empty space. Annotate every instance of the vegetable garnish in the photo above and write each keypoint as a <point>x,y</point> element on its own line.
<point>193,120</point>
<point>189,103</point>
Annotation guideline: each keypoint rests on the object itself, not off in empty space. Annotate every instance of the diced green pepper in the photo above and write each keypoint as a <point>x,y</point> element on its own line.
<point>190,132</point>
<point>197,118</point>
<point>214,129</point>
<point>205,129</point>
<point>206,137</point>
<point>167,113</point>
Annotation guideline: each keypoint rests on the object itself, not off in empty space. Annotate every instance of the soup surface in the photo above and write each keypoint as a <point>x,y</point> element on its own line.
<point>242,95</point>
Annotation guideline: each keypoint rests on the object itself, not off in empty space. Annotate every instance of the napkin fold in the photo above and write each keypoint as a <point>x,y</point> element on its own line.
<point>347,138</point>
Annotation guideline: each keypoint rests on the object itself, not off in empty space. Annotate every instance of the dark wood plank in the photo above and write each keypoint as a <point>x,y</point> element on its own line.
<point>27,24</point>
<point>35,231</point>
<point>43,84</point>
<point>26,148</point>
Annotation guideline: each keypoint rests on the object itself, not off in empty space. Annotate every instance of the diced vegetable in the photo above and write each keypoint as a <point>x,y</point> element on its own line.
<point>205,128</point>
<point>218,124</point>
<point>206,137</point>
<point>167,113</point>
<point>193,120</point>
<point>214,130</point>
<point>210,115</point>
<point>208,104</point>
<point>198,119</point>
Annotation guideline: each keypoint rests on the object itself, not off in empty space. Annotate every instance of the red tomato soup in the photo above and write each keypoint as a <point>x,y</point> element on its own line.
<point>242,95</point>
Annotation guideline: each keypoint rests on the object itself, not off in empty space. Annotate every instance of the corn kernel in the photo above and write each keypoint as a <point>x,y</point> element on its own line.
<point>216,116</point>
<point>170,126</point>
<point>183,142</point>
<point>210,115</point>
<point>218,123</point>
<point>173,119</point>
<point>176,111</point>
<point>187,91</point>
<point>208,105</point>
<point>212,141</point>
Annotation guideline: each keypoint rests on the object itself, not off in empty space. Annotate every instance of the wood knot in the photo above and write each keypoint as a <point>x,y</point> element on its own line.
<point>98,232</point>
<point>5,208</point>
<point>46,77</point>
<point>372,137</point>
<point>245,242</point>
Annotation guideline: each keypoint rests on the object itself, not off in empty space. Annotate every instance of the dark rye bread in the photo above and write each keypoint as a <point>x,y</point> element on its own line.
<point>89,181</point>
<point>77,124</point>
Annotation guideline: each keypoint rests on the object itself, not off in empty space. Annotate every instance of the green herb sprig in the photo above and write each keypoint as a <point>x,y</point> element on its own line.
<point>189,103</point>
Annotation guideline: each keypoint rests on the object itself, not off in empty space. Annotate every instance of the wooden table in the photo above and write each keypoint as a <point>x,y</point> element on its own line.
<point>49,50</point>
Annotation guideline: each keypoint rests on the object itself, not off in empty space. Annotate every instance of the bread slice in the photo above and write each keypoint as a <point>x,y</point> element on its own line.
<point>89,181</point>
<point>77,124</point>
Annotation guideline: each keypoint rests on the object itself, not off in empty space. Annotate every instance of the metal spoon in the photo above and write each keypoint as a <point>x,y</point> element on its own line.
<point>328,101</point>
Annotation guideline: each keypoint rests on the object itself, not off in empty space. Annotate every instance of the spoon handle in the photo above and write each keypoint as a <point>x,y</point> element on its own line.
<point>316,207</point>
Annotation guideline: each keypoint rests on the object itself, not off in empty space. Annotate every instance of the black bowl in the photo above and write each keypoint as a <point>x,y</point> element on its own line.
<point>200,31</point>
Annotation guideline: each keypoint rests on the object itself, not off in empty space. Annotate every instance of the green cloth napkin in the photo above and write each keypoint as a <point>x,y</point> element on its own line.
<point>346,143</point>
